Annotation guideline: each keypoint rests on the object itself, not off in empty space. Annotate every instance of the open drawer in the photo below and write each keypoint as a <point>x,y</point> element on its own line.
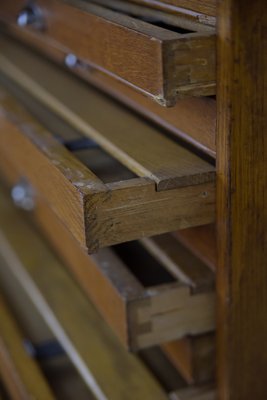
<point>74,322</point>
<point>158,58</point>
<point>131,181</point>
<point>139,294</point>
<point>141,314</point>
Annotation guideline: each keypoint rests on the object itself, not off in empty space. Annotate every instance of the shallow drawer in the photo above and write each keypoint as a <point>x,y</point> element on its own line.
<point>191,119</point>
<point>145,290</point>
<point>145,184</point>
<point>87,340</point>
<point>164,63</point>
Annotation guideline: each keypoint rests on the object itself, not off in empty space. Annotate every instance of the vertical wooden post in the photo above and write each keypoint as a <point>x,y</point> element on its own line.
<point>242,199</point>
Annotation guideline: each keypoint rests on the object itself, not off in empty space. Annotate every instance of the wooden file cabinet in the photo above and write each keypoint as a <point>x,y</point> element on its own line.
<point>132,200</point>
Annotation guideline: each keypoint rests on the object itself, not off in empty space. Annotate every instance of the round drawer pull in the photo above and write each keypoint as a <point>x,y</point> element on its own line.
<point>23,196</point>
<point>30,16</point>
<point>71,60</point>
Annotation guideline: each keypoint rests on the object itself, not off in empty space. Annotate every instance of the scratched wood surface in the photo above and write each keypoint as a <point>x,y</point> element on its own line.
<point>134,198</point>
<point>21,375</point>
<point>122,298</point>
<point>108,370</point>
<point>191,119</point>
<point>241,200</point>
<point>158,62</point>
<point>121,133</point>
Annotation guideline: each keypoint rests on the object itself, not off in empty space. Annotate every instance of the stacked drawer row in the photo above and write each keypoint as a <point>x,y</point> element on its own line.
<point>101,169</point>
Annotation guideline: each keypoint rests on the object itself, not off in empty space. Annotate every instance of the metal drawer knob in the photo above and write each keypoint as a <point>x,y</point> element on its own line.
<point>23,196</point>
<point>30,15</point>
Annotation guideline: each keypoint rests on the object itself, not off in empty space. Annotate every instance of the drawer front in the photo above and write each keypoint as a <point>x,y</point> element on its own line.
<point>159,62</point>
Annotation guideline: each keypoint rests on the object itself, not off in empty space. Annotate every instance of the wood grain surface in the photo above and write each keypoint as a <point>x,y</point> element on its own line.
<point>122,134</point>
<point>191,119</point>
<point>140,316</point>
<point>105,205</point>
<point>108,370</point>
<point>158,62</point>
<point>241,200</point>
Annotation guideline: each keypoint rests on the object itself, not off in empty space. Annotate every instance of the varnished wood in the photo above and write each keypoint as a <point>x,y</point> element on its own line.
<point>19,372</point>
<point>191,119</point>
<point>140,316</point>
<point>87,340</point>
<point>120,133</point>
<point>160,63</point>
<point>241,200</point>
<point>39,154</point>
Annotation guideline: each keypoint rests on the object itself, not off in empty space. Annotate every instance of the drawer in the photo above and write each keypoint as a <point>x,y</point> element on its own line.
<point>161,63</point>
<point>191,119</point>
<point>145,290</point>
<point>132,193</point>
<point>87,340</point>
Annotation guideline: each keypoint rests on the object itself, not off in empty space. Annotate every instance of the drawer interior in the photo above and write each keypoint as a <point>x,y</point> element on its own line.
<point>34,295</point>
<point>119,198</point>
<point>132,302</point>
